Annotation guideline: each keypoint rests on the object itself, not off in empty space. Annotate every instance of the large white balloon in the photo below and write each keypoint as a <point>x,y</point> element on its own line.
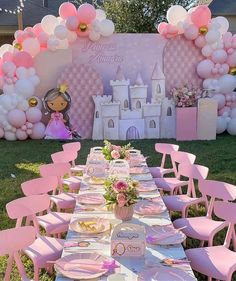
<point>49,23</point>
<point>204,68</point>
<point>10,136</point>
<point>100,14</point>
<point>175,14</point>
<point>6,48</point>
<point>231,129</point>
<point>60,32</point>
<point>33,115</point>
<point>212,36</point>
<point>24,87</point>
<point>106,27</point>
<point>94,36</point>
<point>31,46</point>
<point>221,124</point>
<point>223,23</point>
<point>227,84</point>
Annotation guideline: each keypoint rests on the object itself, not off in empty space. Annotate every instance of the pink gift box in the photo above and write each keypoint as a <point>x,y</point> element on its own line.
<point>186,123</point>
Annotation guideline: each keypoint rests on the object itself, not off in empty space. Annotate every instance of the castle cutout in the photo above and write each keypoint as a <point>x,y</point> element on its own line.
<point>126,114</point>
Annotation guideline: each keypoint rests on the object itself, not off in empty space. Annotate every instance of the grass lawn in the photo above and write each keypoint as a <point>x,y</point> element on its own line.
<point>20,161</point>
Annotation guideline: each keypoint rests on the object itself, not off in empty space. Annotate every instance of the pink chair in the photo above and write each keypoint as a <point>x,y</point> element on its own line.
<point>204,228</point>
<point>12,241</point>
<point>172,185</point>
<point>63,200</point>
<point>44,248</point>
<point>182,202</point>
<point>52,222</point>
<point>165,149</point>
<point>67,156</point>
<point>218,261</point>
<point>74,146</point>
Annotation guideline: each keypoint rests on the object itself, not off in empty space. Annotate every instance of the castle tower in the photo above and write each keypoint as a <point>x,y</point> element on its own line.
<point>120,87</point>
<point>158,84</point>
<point>98,120</point>
<point>168,130</point>
<point>138,93</point>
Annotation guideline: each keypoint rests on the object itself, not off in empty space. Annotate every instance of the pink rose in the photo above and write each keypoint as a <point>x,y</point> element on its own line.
<point>115,154</point>
<point>116,147</point>
<point>121,200</point>
<point>120,186</point>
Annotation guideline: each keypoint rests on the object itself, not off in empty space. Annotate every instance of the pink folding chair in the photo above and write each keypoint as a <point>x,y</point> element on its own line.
<point>182,202</point>
<point>172,185</point>
<point>54,223</point>
<point>44,248</point>
<point>67,156</point>
<point>74,146</point>
<point>217,262</point>
<point>63,200</point>
<point>12,241</point>
<point>165,149</point>
<point>204,228</point>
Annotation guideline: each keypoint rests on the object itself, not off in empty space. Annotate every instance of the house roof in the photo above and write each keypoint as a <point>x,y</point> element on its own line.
<point>223,8</point>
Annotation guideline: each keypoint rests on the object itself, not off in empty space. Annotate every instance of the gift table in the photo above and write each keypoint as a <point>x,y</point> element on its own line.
<point>129,267</point>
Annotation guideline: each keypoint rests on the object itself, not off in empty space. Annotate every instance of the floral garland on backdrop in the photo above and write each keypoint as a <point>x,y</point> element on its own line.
<point>20,109</point>
<point>218,46</point>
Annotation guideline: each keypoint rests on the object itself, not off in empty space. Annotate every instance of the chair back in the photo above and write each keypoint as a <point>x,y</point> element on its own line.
<point>165,149</point>
<point>14,240</point>
<point>54,169</point>
<point>39,185</point>
<point>75,146</point>
<point>66,156</point>
<point>178,157</point>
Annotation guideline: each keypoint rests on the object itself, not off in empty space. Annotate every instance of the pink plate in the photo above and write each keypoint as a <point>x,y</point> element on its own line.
<point>90,225</point>
<point>146,186</point>
<point>91,199</point>
<point>81,266</point>
<point>147,207</point>
<point>165,235</point>
<point>165,274</point>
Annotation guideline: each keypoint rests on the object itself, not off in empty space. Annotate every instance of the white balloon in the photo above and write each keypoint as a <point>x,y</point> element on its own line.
<point>34,80</point>
<point>23,105</point>
<point>96,25</point>
<point>61,32</point>
<point>24,87</point>
<point>175,14</point>
<point>9,89</point>
<point>221,124</point>
<point>21,72</point>
<point>49,23</point>
<point>10,136</point>
<point>227,84</point>
<point>223,24</point>
<point>6,102</point>
<point>31,46</point>
<point>100,14</point>
<point>63,44</point>
<point>52,43</point>
<point>6,48</point>
<point>107,27</point>
<point>207,51</point>
<point>71,36</point>
<point>212,36</point>
<point>31,71</point>
<point>94,36</point>
<point>233,113</point>
<point>231,129</point>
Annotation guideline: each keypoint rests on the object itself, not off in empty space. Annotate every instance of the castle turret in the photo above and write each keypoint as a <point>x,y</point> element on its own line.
<point>138,93</point>
<point>120,88</point>
<point>158,84</point>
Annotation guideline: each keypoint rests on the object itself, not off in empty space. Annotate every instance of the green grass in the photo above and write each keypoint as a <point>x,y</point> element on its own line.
<point>22,159</point>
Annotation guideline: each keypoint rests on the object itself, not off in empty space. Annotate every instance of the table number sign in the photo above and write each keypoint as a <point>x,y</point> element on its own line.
<point>119,168</point>
<point>128,240</point>
<point>95,166</point>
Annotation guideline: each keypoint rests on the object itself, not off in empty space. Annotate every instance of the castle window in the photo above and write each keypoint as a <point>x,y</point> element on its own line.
<point>126,104</point>
<point>152,124</point>
<point>111,124</point>
<point>169,111</point>
<point>97,114</point>
<point>138,104</point>
<point>158,88</point>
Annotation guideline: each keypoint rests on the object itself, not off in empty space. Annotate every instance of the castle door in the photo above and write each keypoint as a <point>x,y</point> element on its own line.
<point>132,133</point>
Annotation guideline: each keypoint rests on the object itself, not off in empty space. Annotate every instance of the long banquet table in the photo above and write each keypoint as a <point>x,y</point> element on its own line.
<point>129,267</point>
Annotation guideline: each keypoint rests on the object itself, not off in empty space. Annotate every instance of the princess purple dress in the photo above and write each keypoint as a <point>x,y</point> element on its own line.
<point>56,128</point>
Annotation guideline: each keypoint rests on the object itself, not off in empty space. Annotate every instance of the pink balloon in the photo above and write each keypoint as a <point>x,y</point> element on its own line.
<point>66,10</point>
<point>228,103</point>
<point>225,109</point>
<point>214,70</point>
<point>72,23</point>
<point>220,100</point>
<point>9,68</point>
<point>161,27</point>
<point>201,16</point>
<point>21,135</point>
<point>200,42</point>
<point>37,28</point>
<point>33,115</point>
<point>8,56</point>
<point>191,32</point>
<point>38,131</point>
<point>23,59</point>
<point>86,13</point>
<point>204,68</point>
<point>16,118</point>
<point>43,39</point>
<point>232,59</point>
<point>219,56</point>
<point>1,62</point>
<point>225,67</point>
<point>230,51</point>
<point>19,36</point>
<point>30,31</point>
<point>228,97</point>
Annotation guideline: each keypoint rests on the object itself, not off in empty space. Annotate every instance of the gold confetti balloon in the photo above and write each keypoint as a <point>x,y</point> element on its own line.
<point>83,27</point>
<point>32,102</point>
<point>232,71</point>
<point>18,46</point>
<point>203,30</point>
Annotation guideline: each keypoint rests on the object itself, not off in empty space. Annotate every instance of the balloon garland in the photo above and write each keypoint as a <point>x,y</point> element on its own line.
<point>20,110</point>
<point>218,46</point>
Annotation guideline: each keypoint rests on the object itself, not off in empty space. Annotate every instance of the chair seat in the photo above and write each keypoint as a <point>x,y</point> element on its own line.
<point>72,182</point>
<point>169,184</point>
<point>44,249</point>
<point>78,168</point>
<point>55,222</point>
<point>158,172</point>
<point>179,202</point>
<point>64,200</point>
<point>201,228</point>
<point>212,261</point>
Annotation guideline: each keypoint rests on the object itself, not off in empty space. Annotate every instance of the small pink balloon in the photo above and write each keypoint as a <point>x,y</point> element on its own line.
<point>7,56</point>
<point>29,131</point>
<point>228,103</point>
<point>21,134</point>
<point>220,100</point>
<point>33,115</point>
<point>9,68</point>
<point>23,59</point>
<point>24,128</point>
<point>19,36</point>
<point>86,13</point>
<point>225,109</point>
<point>16,118</point>
<point>221,70</point>
<point>191,32</point>
<point>66,10</point>
<point>230,51</point>
<point>227,36</point>
<point>37,28</point>
<point>204,68</point>
<point>231,61</point>
<point>200,42</point>
<point>1,62</point>
<point>38,131</point>
<point>29,125</point>
<point>161,27</point>
<point>201,16</point>
<point>72,23</point>
<point>43,39</point>
<point>30,31</point>
<point>228,97</point>
<point>214,70</point>
<point>225,66</point>
<point>219,56</point>
<point>234,44</point>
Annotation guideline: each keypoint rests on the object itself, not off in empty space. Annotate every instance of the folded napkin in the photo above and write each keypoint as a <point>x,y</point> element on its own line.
<point>154,238</point>
<point>150,209</point>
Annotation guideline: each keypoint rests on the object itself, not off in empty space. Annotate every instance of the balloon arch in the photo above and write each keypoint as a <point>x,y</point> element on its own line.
<point>20,109</point>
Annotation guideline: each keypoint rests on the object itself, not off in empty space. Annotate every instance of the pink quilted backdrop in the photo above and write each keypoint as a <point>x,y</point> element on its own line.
<point>84,82</point>
<point>180,61</point>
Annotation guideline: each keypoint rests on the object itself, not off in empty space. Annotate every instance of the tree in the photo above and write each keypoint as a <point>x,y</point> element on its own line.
<point>137,16</point>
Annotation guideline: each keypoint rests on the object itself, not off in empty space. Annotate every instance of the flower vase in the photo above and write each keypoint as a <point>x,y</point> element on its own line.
<point>186,123</point>
<point>124,213</point>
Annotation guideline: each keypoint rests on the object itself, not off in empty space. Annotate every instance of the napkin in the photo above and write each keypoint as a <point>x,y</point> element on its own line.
<point>154,238</point>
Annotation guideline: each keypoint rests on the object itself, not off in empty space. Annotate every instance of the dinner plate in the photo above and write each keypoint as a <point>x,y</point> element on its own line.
<point>165,274</point>
<point>147,207</point>
<point>90,225</point>
<point>91,199</point>
<point>164,235</point>
<point>146,186</point>
<point>139,170</point>
<point>83,266</point>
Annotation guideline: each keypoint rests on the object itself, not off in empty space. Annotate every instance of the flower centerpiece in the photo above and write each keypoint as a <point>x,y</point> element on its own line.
<point>122,194</point>
<point>186,96</point>
<point>114,152</point>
